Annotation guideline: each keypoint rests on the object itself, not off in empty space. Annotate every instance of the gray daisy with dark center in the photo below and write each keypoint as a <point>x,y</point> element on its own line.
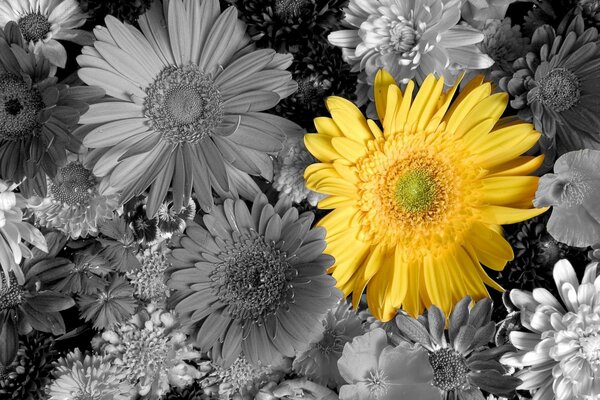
<point>252,281</point>
<point>462,357</point>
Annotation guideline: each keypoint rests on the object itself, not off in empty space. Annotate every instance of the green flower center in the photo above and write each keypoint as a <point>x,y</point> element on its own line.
<point>449,369</point>
<point>559,90</point>
<point>74,185</point>
<point>34,26</point>
<point>20,105</point>
<point>183,104</point>
<point>416,191</point>
<point>10,296</point>
<point>253,280</point>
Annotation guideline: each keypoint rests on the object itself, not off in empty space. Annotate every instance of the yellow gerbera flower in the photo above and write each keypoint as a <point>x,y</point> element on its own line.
<point>417,205</point>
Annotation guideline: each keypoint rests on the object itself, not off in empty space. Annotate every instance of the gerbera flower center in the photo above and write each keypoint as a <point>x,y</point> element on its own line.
<point>416,191</point>
<point>183,104</point>
<point>559,89</point>
<point>74,185</point>
<point>10,296</point>
<point>20,105</point>
<point>377,382</point>
<point>34,26</point>
<point>253,280</point>
<point>449,369</point>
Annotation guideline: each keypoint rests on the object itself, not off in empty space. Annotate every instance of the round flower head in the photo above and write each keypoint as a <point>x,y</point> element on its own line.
<point>43,22</point>
<point>152,350</point>
<point>418,204</point>
<point>557,86</point>
<point>37,116</point>
<point>14,231</point>
<point>560,352</point>
<point>410,39</point>
<point>319,361</point>
<point>573,191</point>
<point>149,280</point>
<point>375,370</point>
<point>188,95</point>
<point>289,172</point>
<point>73,204</point>
<point>461,359</point>
<point>254,280</point>
<point>80,377</point>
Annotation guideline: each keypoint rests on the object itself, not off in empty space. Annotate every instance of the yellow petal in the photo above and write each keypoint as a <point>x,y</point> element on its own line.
<point>348,148</point>
<point>394,99</point>
<point>461,109</point>
<point>349,119</point>
<point>506,144</point>
<point>412,301</point>
<point>490,107</point>
<point>327,126</point>
<point>375,129</point>
<point>507,215</point>
<point>508,190</point>
<point>490,246</point>
<point>522,165</point>
<point>320,147</point>
<point>383,80</point>
<point>334,186</point>
<point>333,202</point>
<point>445,101</point>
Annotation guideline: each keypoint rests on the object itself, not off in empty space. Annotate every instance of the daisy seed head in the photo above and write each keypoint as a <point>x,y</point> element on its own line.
<point>183,104</point>
<point>449,369</point>
<point>559,89</point>
<point>19,108</point>
<point>34,26</point>
<point>11,295</point>
<point>73,185</point>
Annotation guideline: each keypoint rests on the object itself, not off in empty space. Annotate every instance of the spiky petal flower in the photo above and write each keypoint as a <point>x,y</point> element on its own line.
<point>410,39</point>
<point>73,204</point>
<point>83,377</point>
<point>559,351</point>
<point>149,280</point>
<point>319,361</point>
<point>14,231</point>
<point>188,96</point>
<point>375,370</point>
<point>254,280</point>
<point>152,350</point>
<point>422,198</point>
<point>43,22</point>
<point>37,116</point>
<point>573,191</point>
<point>461,357</point>
<point>289,172</point>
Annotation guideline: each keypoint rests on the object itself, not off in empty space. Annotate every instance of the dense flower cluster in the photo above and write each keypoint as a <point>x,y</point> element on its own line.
<point>299,199</point>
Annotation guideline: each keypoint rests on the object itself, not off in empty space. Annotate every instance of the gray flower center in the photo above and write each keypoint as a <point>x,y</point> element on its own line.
<point>74,185</point>
<point>253,280</point>
<point>10,296</point>
<point>19,108</point>
<point>183,104</point>
<point>403,36</point>
<point>449,369</point>
<point>34,26</point>
<point>290,8</point>
<point>559,89</point>
<point>377,382</point>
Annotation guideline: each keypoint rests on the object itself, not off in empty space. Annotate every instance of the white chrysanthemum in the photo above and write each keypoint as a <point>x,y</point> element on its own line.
<point>561,353</point>
<point>13,231</point>
<point>73,204</point>
<point>88,378</point>
<point>288,178</point>
<point>410,39</point>
<point>43,22</point>
<point>152,349</point>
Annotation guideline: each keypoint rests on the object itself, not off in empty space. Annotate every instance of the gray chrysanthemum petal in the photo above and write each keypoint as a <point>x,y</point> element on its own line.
<point>458,317</point>
<point>413,330</point>
<point>481,313</point>
<point>437,322</point>
<point>464,338</point>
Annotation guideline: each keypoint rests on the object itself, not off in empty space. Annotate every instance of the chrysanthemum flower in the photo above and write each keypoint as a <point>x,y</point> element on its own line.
<point>37,115</point>
<point>152,349</point>
<point>43,22</point>
<point>289,172</point>
<point>409,39</point>
<point>573,191</point>
<point>149,280</point>
<point>254,280</point>
<point>319,361</point>
<point>557,86</point>
<point>108,305</point>
<point>375,370</point>
<point>80,376</point>
<point>560,353</point>
<point>73,204</point>
<point>460,356</point>
<point>188,95</point>
<point>418,204</point>
<point>14,231</point>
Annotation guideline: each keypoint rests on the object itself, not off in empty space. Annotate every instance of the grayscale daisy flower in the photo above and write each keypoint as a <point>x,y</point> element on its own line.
<point>252,280</point>
<point>462,359</point>
<point>188,94</point>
